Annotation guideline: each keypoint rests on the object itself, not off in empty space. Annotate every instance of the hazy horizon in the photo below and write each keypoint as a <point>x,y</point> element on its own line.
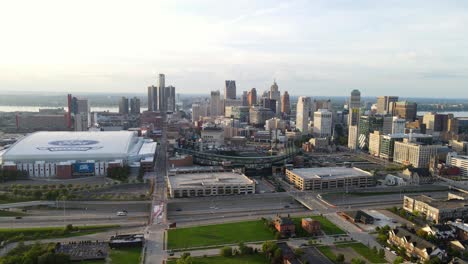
<point>316,48</point>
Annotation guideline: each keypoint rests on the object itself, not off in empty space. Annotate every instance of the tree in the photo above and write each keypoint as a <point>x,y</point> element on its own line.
<point>340,258</point>
<point>298,252</point>
<point>226,251</point>
<point>269,247</point>
<point>382,253</point>
<point>398,260</point>
<point>185,259</point>
<point>421,233</point>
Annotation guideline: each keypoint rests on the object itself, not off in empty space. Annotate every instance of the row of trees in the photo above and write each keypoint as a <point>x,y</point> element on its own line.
<point>37,253</point>
<point>119,173</point>
<point>8,175</point>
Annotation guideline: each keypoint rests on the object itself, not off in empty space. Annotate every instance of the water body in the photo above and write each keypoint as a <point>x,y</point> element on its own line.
<point>8,108</point>
<point>455,114</point>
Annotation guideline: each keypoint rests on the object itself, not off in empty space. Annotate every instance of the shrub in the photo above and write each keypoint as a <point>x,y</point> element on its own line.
<point>226,251</point>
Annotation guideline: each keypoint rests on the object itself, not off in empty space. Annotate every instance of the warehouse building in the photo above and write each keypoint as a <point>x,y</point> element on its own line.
<point>209,183</point>
<point>329,178</point>
<point>68,154</point>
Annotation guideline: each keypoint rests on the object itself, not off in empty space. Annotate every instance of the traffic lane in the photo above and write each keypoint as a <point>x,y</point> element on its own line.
<point>353,199</point>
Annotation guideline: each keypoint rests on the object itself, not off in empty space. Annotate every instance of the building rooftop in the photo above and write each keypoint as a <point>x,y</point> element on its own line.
<point>330,173</point>
<point>206,179</point>
<point>440,203</point>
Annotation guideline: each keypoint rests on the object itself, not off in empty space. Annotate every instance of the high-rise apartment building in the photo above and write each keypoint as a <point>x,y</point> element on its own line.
<point>252,97</point>
<point>152,98</point>
<point>123,105</point>
<point>385,104</point>
<point>303,114</point>
<point>322,123</point>
<point>230,89</point>
<point>285,103</point>
<point>406,110</point>
<point>135,106</point>
<point>216,105</point>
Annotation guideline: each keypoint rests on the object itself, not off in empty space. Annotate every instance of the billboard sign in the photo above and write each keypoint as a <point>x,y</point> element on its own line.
<point>83,167</point>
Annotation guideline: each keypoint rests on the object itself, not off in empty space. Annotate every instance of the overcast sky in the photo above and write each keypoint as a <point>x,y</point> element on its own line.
<point>412,48</point>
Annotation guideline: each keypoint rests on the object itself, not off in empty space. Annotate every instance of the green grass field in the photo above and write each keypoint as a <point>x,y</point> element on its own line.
<point>16,234</point>
<point>250,259</point>
<point>218,234</point>
<point>328,227</point>
<point>326,250</point>
<point>364,251</point>
<point>125,256</point>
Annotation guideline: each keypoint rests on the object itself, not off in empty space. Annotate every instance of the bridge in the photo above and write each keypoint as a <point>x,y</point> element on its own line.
<point>263,162</point>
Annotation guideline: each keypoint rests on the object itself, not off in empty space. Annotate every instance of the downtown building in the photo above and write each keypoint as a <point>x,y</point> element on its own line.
<point>302,114</point>
<point>459,161</point>
<point>353,119</point>
<point>323,125</point>
<point>417,154</point>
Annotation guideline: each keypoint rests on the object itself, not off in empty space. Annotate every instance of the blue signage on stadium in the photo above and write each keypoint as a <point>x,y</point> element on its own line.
<point>73,142</point>
<point>83,167</point>
<point>71,145</point>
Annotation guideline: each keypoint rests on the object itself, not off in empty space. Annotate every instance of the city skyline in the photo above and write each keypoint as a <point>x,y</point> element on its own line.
<point>366,46</point>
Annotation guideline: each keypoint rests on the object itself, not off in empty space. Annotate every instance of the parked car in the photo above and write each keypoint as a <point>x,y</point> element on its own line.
<point>122,213</point>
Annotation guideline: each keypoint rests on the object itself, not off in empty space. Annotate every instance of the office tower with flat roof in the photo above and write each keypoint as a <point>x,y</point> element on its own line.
<point>245,98</point>
<point>269,103</point>
<point>385,104</point>
<point>152,98</point>
<point>170,100</point>
<point>367,125</point>
<point>123,105</point>
<point>230,89</point>
<point>406,110</point>
<point>216,104</point>
<point>419,155</point>
<point>303,114</point>
<point>323,123</point>
<point>252,97</point>
<point>135,106</point>
<point>285,103</point>
<point>353,119</point>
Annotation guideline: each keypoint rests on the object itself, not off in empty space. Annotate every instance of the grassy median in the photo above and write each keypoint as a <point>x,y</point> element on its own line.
<point>250,259</point>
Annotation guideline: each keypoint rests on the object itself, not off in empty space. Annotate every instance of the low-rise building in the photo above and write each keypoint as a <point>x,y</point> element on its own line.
<point>212,136</point>
<point>440,231</point>
<point>285,226</point>
<point>329,178</point>
<point>461,229</point>
<point>359,216</point>
<point>417,176</point>
<point>458,161</point>
<point>414,245</point>
<point>437,210</point>
<point>311,226</point>
<point>208,183</point>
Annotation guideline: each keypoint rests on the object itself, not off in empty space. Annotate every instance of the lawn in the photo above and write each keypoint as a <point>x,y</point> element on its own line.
<point>16,234</point>
<point>125,256</point>
<point>364,251</point>
<point>328,227</point>
<point>250,259</point>
<point>326,250</point>
<point>218,234</point>
<point>4,213</point>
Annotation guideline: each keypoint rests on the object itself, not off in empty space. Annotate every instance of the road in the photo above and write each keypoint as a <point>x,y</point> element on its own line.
<point>155,234</point>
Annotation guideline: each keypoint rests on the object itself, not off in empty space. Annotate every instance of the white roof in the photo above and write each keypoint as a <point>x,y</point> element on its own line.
<point>330,173</point>
<point>62,146</point>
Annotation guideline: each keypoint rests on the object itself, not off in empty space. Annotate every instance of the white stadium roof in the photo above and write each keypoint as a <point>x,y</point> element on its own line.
<point>62,146</point>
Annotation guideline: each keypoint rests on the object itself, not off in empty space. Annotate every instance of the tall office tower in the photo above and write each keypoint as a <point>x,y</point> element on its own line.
<point>161,93</point>
<point>170,101</point>
<point>322,123</point>
<point>406,110</point>
<point>385,104</point>
<point>353,119</point>
<point>79,111</point>
<point>135,106</point>
<point>216,104</point>
<point>230,90</point>
<point>321,104</point>
<point>270,104</point>
<point>417,154</point>
<point>152,98</point>
<point>195,112</point>
<point>302,114</point>
<point>252,97</point>
<point>398,125</point>
<point>436,122</point>
<point>355,99</point>
<point>245,98</point>
<point>286,104</point>
<point>275,94</point>
<point>367,125</point>
<point>123,105</point>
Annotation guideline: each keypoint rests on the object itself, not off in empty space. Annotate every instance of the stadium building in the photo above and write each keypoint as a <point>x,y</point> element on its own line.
<point>67,154</point>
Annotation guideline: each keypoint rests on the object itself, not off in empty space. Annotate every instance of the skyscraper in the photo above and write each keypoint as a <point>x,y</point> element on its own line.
<point>135,106</point>
<point>275,94</point>
<point>245,98</point>
<point>215,104</point>
<point>285,103</point>
<point>353,119</point>
<point>252,97</point>
<point>230,90</point>
<point>161,93</point>
<point>406,110</point>
<point>322,123</point>
<point>152,98</point>
<point>385,104</point>
<point>270,104</point>
<point>123,106</point>
<point>302,114</point>
<point>170,100</point>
